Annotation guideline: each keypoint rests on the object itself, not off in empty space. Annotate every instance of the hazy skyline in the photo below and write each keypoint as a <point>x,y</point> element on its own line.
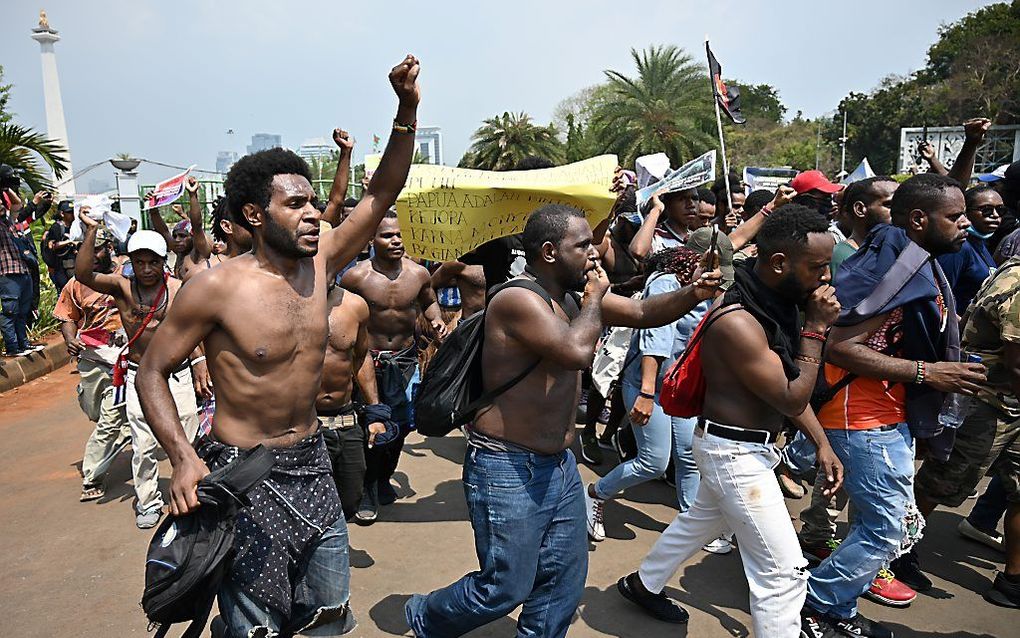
<point>166,81</point>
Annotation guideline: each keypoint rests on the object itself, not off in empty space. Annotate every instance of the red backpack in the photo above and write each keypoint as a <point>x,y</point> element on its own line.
<point>683,387</point>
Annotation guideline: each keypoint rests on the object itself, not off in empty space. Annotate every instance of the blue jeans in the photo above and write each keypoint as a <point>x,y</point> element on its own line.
<point>654,446</point>
<point>878,479</point>
<point>16,303</point>
<point>527,512</point>
<point>321,596</point>
<point>799,454</point>
<point>990,508</point>
<point>59,277</point>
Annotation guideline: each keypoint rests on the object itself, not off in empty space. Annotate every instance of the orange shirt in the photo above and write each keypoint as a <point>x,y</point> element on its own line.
<point>867,403</point>
<point>92,312</point>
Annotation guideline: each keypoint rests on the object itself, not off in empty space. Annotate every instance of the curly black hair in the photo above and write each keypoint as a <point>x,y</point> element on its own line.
<point>219,213</point>
<point>548,223</point>
<point>862,191</point>
<point>250,179</point>
<point>788,228</point>
<point>757,200</point>
<point>924,191</point>
<point>679,260</point>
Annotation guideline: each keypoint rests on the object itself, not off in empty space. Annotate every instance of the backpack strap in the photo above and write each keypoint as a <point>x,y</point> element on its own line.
<point>486,398</point>
<point>709,319</point>
<point>909,262</point>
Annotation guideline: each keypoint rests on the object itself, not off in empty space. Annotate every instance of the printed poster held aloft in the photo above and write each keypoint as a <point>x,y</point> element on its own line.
<point>691,175</point>
<point>168,191</point>
<point>445,212</point>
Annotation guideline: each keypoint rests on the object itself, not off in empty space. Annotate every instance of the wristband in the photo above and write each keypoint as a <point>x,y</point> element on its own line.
<point>807,359</point>
<point>197,360</point>
<point>405,128</point>
<point>646,395</point>
<point>817,336</point>
<point>920,373</point>
<point>766,210</point>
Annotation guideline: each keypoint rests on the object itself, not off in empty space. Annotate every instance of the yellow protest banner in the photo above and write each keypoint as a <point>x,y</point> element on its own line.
<point>445,211</point>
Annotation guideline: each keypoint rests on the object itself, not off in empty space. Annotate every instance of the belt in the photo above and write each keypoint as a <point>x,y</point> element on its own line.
<point>733,433</point>
<point>339,422</point>
<point>342,418</point>
<point>131,365</point>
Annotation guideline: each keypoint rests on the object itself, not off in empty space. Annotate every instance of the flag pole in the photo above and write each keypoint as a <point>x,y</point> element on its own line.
<point>722,141</point>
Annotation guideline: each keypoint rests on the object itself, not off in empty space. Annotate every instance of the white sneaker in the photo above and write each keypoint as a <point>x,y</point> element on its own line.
<point>721,545</point>
<point>149,518</point>
<point>969,531</point>
<point>36,348</point>
<point>593,508</point>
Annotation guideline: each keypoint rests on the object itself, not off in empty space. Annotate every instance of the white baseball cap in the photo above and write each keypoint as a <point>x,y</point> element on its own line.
<point>147,240</point>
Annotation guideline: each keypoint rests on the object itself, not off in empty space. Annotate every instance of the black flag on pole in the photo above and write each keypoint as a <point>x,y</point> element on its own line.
<point>728,97</point>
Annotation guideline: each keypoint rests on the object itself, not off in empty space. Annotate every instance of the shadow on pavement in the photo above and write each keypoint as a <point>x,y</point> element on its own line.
<point>947,555</point>
<point>451,447</point>
<point>388,616</point>
<point>606,611</point>
<point>446,504</point>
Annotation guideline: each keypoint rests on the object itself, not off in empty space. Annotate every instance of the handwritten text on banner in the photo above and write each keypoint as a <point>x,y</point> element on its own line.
<point>445,211</point>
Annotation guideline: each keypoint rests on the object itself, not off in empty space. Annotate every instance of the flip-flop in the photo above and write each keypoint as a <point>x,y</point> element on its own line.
<point>92,492</point>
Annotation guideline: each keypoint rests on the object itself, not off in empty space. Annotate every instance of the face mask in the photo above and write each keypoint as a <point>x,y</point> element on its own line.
<point>970,229</point>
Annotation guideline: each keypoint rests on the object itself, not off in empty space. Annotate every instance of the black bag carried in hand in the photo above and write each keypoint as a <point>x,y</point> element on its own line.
<point>189,555</point>
<point>451,391</point>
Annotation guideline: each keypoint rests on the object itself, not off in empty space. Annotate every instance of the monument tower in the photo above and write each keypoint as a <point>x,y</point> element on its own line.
<point>56,128</point>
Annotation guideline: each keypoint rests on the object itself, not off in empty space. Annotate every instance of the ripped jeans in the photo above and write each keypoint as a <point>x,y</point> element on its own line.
<point>739,492</point>
<point>879,478</point>
<point>321,596</point>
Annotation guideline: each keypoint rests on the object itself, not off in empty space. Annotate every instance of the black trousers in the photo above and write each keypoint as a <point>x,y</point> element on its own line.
<point>347,453</point>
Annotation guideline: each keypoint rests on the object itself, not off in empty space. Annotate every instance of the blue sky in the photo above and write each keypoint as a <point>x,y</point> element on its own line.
<point>165,80</point>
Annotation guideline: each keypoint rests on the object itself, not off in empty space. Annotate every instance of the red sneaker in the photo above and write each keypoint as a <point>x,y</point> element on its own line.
<point>887,590</point>
<point>815,554</point>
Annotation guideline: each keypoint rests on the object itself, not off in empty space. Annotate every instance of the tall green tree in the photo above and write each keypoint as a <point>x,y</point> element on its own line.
<point>504,140</point>
<point>972,70</point>
<point>666,107</point>
<point>22,149</point>
<point>5,98</point>
<point>760,103</point>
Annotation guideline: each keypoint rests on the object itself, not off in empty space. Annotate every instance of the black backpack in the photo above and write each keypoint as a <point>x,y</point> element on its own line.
<point>451,391</point>
<point>189,555</point>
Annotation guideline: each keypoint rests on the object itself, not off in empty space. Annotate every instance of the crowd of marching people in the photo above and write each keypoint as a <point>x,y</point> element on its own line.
<point>811,342</point>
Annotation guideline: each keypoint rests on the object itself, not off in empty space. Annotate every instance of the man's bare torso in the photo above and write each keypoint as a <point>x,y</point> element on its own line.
<point>133,305</point>
<point>347,312</point>
<point>727,400</point>
<point>266,351</point>
<point>538,413</point>
<point>393,303</point>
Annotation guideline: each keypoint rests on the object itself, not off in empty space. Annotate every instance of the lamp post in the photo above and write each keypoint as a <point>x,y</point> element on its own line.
<point>127,187</point>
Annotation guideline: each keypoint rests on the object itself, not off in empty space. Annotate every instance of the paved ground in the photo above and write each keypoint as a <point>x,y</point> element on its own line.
<point>74,569</point>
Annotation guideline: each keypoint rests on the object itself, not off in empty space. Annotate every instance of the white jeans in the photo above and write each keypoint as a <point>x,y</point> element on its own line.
<point>739,491</point>
<point>144,463</point>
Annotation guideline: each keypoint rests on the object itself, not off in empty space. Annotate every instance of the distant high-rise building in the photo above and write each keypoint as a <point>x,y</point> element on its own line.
<point>316,147</point>
<point>263,141</point>
<point>99,186</point>
<point>224,160</point>
<point>428,140</point>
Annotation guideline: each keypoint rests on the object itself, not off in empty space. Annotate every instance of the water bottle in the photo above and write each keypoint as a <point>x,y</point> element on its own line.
<point>957,407</point>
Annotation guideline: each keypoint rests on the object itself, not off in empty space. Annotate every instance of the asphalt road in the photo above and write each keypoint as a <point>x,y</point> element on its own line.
<point>72,569</point>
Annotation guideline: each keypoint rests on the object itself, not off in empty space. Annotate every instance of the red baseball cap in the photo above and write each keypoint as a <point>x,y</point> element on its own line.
<point>813,180</point>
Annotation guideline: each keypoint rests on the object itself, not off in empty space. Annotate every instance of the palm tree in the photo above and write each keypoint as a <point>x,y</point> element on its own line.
<point>21,148</point>
<point>666,107</point>
<point>504,140</point>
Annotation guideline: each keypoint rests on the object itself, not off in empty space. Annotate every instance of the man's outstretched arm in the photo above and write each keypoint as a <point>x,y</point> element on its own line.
<point>342,244</point>
<point>188,321</point>
<point>338,191</point>
<point>201,247</point>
